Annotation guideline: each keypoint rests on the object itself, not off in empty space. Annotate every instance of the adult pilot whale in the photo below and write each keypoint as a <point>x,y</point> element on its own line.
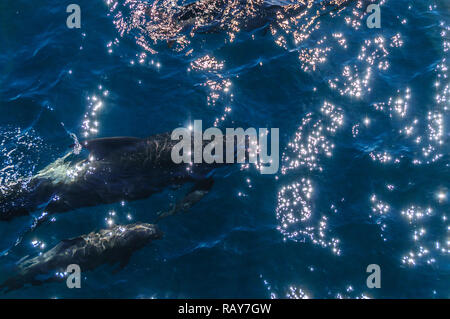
<point>116,169</point>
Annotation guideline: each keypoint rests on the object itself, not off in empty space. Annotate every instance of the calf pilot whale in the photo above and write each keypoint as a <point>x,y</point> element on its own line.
<point>108,246</point>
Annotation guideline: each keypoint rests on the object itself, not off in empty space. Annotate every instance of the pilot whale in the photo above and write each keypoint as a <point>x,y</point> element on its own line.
<point>108,246</point>
<point>251,14</point>
<point>116,169</point>
<point>214,15</point>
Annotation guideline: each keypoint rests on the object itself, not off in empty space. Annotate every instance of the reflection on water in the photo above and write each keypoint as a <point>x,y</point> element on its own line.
<point>18,149</point>
<point>368,108</point>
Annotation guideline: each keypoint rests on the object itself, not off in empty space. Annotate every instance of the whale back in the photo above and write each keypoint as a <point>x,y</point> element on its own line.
<point>102,147</point>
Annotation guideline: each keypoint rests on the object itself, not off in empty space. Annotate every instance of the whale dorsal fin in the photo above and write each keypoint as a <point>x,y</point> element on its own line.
<point>101,147</point>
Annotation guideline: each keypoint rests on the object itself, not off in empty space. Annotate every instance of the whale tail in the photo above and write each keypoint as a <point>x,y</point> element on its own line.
<point>12,202</point>
<point>11,284</point>
<point>10,212</point>
<point>22,198</point>
<point>19,281</point>
<point>14,281</point>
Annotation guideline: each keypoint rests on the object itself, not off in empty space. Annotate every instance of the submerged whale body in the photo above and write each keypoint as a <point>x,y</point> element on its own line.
<point>257,13</point>
<point>215,15</point>
<point>117,169</point>
<point>108,246</point>
<point>234,15</point>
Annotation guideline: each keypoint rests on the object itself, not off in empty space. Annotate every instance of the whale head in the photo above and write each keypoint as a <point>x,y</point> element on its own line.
<point>139,233</point>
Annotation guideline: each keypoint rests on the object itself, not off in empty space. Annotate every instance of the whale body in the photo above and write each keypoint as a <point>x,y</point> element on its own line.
<point>218,15</point>
<point>117,169</point>
<point>108,246</point>
<point>207,16</point>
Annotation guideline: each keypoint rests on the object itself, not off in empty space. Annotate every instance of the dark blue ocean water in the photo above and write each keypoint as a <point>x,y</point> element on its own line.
<point>363,117</point>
